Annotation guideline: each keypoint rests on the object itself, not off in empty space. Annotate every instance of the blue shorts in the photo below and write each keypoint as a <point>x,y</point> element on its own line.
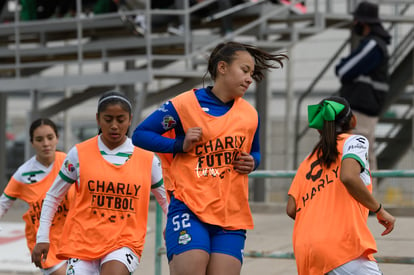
<point>184,232</point>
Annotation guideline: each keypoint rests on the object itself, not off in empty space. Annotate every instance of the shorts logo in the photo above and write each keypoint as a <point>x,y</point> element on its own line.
<point>168,122</point>
<point>70,271</point>
<point>184,238</point>
<point>129,258</point>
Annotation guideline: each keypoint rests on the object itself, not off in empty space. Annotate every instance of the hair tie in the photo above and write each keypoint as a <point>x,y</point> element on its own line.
<point>325,111</point>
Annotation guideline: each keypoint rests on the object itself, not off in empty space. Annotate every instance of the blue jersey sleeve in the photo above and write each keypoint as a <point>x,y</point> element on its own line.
<point>255,151</point>
<point>148,134</point>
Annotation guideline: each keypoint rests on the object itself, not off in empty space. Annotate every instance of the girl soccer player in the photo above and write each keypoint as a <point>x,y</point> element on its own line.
<point>216,146</point>
<point>30,183</point>
<point>330,198</point>
<point>106,227</point>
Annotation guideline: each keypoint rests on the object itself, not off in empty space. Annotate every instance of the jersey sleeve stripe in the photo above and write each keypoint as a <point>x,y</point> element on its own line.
<point>158,184</point>
<point>66,178</point>
<point>356,157</point>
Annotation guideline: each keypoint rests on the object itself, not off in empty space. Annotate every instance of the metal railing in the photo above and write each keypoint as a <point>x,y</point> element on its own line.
<point>398,54</point>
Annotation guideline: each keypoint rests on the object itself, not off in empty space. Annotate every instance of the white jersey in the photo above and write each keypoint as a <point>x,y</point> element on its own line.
<point>69,174</point>
<point>356,147</point>
<point>29,172</point>
<point>118,156</point>
<point>32,171</point>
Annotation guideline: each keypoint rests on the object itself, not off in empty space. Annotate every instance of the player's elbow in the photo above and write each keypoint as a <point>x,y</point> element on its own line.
<point>291,214</point>
<point>291,207</point>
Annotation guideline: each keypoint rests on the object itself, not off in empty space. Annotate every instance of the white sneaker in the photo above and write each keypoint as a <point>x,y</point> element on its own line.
<point>176,30</point>
<point>140,21</point>
<point>140,26</point>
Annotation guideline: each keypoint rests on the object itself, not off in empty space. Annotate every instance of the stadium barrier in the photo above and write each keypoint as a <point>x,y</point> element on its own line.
<point>160,249</point>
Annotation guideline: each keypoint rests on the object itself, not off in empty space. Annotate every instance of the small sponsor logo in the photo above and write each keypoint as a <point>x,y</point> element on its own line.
<point>168,122</point>
<point>162,108</point>
<point>69,166</point>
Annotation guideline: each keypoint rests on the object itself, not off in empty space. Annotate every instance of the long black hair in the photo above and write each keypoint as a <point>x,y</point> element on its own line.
<point>226,52</point>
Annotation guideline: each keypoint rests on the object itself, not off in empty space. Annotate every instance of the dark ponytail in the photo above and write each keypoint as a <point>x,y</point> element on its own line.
<point>326,148</point>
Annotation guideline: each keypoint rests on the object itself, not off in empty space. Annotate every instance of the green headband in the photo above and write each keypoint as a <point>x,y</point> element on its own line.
<point>325,111</point>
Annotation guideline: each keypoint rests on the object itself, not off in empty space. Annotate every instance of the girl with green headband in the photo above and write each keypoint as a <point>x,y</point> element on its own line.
<point>330,198</point>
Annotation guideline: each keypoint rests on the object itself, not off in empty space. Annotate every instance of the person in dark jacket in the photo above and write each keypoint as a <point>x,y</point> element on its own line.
<point>364,73</point>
